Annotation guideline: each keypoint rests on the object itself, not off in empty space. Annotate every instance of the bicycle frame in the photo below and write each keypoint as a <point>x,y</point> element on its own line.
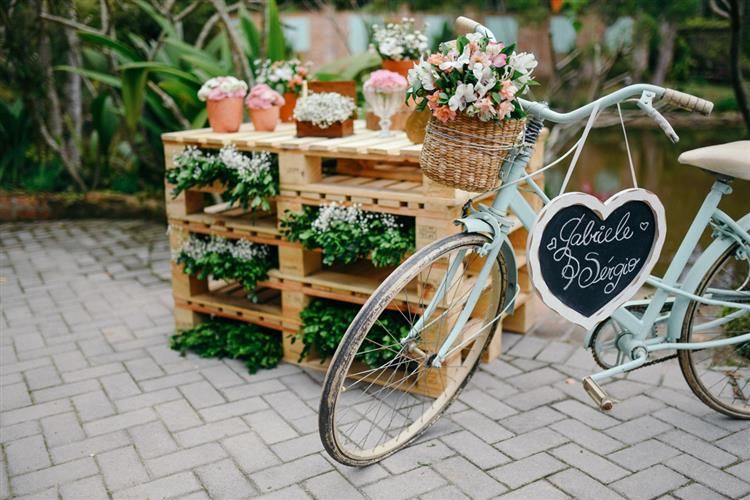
<point>494,221</point>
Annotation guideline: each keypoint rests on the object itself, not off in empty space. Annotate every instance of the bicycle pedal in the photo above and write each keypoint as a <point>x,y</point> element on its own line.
<point>598,394</point>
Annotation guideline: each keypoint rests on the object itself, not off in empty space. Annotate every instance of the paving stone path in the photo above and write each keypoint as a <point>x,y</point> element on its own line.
<point>93,403</point>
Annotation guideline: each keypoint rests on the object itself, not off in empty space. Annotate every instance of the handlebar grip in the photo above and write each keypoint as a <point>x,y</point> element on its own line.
<point>465,25</point>
<point>687,101</point>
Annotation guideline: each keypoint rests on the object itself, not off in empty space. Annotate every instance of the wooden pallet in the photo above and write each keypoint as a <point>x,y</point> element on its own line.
<point>379,174</point>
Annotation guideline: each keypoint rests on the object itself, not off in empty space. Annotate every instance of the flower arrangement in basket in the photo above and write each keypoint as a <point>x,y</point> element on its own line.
<point>223,96</point>
<point>325,114</point>
<point>264,104</point>
<point>399,45</point>
<point>285,77</point>
<point>470,87</point>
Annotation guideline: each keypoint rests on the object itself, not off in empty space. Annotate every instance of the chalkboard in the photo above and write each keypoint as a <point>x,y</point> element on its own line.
<point>587,257</point>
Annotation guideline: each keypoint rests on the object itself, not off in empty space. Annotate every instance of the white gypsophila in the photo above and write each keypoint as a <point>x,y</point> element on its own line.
<point>186,156</point>
<point>196,248</point>
<point>333,212</point>
<point>249,169</point>
<point>324,109</point>
<point>389,221</point>
<point>399,41</point>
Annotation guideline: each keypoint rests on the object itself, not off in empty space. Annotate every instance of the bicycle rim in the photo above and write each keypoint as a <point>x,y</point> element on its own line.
<point>373,406</point>
<point>720,377</point>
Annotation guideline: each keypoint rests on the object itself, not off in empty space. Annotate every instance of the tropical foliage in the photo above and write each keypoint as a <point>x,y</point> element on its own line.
<point>251,344</point>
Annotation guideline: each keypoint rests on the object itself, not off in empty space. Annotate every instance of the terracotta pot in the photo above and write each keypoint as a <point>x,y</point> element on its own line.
<point>400,67</point>
<point>225,115</point>
<point>265,120</point>
<point>287,110</point>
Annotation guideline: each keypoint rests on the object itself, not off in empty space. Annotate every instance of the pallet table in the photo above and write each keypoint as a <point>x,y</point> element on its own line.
<point>378,174</point>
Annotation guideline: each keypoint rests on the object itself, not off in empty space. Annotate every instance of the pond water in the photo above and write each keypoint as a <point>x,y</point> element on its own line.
<point>603,170</point>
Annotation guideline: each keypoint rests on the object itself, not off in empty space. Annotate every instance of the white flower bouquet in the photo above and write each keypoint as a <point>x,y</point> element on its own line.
<point>399,42</point>
<point>470,87</point>
<point>282,76</point>
<point>323,110</point>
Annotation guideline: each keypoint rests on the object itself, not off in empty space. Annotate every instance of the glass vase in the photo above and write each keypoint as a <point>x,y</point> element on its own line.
<point>384,104</point>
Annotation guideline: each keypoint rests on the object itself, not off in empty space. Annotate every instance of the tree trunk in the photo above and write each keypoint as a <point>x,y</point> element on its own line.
<point>238,55</point>
<point>736,15</point>
<point>667,35</point>
<point>640,57</point>
<point>73,98</point>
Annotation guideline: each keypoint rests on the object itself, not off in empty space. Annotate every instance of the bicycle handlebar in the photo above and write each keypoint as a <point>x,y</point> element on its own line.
<point>686,101</point>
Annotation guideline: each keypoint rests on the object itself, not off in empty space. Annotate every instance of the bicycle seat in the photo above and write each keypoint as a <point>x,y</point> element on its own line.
<point>731,159</point>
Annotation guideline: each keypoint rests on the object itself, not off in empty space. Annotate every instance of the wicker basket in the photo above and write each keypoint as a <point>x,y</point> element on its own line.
<point>467,153</point>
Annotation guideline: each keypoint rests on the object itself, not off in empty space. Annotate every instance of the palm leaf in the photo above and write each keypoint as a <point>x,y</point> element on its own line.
<point>276,44</point>
<point>126,53</point>
<point>133,94</point>
<point>98,76</point>
<point>252,36</point>
<point>156,67</point>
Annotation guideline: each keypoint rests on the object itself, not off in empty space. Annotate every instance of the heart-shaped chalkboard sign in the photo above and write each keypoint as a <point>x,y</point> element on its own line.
<point>587,258</point>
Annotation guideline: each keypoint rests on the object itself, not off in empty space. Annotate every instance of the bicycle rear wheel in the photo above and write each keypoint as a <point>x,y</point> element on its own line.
<point>720,377</point>
<point>379,393</point>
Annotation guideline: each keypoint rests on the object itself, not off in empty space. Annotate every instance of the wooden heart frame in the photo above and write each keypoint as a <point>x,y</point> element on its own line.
<point>603,210</point>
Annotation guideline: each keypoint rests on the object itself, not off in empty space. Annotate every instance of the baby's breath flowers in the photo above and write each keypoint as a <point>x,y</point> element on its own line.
<point>225,259</point>
<point>249,180</point>
<point>324,109</point>
<point>399,42</point>
<point>347,233</point>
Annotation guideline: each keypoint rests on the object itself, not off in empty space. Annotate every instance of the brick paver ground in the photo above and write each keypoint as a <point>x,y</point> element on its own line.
<point>95,404</point>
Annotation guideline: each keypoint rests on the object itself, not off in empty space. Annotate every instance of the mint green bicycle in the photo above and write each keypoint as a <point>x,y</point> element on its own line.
<point>452,293</point>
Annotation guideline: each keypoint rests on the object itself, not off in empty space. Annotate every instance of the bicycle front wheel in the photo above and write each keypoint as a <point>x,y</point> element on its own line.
<point>720,377</point>
<point>381,392</point>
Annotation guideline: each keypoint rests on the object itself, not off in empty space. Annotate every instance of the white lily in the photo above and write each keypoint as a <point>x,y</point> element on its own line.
<point>464,95</point>
<point>459,63</point>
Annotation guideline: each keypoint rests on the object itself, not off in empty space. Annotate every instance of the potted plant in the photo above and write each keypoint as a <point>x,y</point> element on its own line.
<point>286,78</point>
<point>326,114</point>
<point>385,92</point>
<point>399,45</point>
<point>264,104</point>
<point>470,87</point>
<point>223,96</point>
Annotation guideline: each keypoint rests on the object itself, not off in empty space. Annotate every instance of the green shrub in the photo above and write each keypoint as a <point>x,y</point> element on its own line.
<point>346,234</point>
<point>255,346</point>
<point>324,323</point>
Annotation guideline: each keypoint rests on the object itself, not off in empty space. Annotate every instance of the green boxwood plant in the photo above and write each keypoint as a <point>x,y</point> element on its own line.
<point>324,323</point>
<point>255,346</point>
<point>250,181</point>
<point>225,259</point>
<point>346,234</point>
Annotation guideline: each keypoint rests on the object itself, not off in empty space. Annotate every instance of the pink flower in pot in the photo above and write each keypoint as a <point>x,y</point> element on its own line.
<point>223,96</point>
<point>264,104</point>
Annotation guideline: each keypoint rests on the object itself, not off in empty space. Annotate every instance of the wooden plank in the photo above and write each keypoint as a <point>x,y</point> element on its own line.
<point>393,148</point>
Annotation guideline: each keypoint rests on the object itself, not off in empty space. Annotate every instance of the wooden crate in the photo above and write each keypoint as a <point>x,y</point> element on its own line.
<point>379,174</point>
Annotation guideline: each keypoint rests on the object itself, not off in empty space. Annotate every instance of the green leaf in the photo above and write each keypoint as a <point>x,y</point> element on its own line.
<point>161,68</point>
<point>276,43</point>
<point>125,53</point>
<point>133,94</point>
<point>94,75</point>
<point>104,120</point>
<point>206,65</point>
<point>200,119</point>
<point>252,36</point>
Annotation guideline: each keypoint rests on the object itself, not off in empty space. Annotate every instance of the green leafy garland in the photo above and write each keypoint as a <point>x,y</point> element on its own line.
<point>346,234</point>
<point>324,323</point>
<point>249,181</point>
<point>255,346</point>
<point>226,259</point>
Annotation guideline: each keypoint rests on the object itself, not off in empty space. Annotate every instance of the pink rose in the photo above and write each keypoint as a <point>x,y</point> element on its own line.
<point>386,81</point>
<point>262,96</point>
